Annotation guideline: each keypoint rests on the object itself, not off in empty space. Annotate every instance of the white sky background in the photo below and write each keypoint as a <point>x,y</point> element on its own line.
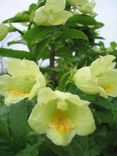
<point>106,10</point>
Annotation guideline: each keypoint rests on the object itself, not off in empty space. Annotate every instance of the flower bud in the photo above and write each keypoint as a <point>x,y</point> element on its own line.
<point>3,31</point>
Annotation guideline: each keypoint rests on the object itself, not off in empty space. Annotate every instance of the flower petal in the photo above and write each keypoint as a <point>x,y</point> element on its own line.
<point>102,65</point>
<point>85,81</point>
<point>61,17</point>
<point>108,82</point>
<point>59,139</point>
<point>87,8</point>
<point>75,99</point>
<point>82,119</point>
<point>9,99</point>
<point>46,95</point>
<point>4,79</point>
<point>41,116</point>
<point>23,68</point>
<point>56,7</point>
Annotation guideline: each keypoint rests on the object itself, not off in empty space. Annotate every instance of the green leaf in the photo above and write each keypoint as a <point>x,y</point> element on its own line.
<point>113,45</point>
<point>16,42</point>
<point>64,52</point>
<point>30,150</point>
<point>73,34</point>
<point>83,19</point>
<point>4,125</point>
<point>78,147</point>
<point>16,54</point>
<point>37,34</point>
<point>18,124</point>
<point>41,49</point>
<point>5,153</point>
<point>19,17</point>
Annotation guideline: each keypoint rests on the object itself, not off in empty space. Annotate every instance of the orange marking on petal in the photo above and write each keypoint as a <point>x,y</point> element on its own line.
<point>61,122</point>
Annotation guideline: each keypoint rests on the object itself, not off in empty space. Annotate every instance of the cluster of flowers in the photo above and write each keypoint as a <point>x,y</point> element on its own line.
<point>54,13</point>
<point>60,115</point>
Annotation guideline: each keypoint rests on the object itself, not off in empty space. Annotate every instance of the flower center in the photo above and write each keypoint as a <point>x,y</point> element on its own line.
<point>61,122</point>
<point>19,93</point>
<point>108,88</point>
<point>19,87</point>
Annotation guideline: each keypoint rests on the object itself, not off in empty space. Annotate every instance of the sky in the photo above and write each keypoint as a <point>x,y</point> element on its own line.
<point>106,10</point>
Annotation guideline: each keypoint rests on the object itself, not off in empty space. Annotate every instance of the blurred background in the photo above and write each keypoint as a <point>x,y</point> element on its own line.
<point>106,13</point>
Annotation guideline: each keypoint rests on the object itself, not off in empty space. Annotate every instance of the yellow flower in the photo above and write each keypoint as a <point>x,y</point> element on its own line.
<point>98,78</point>
<point>88,8</point>
<point>52,13</point>
<point>84,6</point>
<point>24,81</point>
<point>61,116</point>
<point>3,31</point>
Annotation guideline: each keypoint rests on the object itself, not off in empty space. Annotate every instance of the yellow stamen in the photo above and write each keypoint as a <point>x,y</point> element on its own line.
<point>108,88</point>
<point>61,122</point>
<point>18,93</point>
<point>29,78</point>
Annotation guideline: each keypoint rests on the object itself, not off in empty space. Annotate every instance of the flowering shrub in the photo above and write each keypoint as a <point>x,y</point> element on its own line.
<point>68,107</point>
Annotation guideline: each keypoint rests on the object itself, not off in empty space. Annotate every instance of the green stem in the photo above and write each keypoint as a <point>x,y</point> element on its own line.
<point>52,65</point>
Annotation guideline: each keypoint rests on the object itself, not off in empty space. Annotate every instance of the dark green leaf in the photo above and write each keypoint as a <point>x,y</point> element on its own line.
<point>37,34</point>
<point>63,52</point>
<point>16,54</point>
<point>41,49</point>
<point>4,125</point>
<point>30,150</point>
<point>113,45</point>
<point>78,147</point>
<point>83,19</point>
<point>73,34</point>
<point>20,17</point>
<point>18,124</point>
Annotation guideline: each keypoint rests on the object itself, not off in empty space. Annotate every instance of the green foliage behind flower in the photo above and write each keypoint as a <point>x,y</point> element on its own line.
<point>44,109</point>
<point>3,31</point>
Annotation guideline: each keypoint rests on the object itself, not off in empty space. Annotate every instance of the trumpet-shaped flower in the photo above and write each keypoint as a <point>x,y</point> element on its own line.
<point>87,8</point>
<point>61,116</point>
<point>24,81</point>
<point>3,31</point>
<point>98,78</point>
<point>52,13</point>
<point>84,6</point>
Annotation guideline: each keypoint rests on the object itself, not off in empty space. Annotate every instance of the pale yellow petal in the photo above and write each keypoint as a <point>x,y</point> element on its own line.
<point>55,6</point>
<point>22,68</point>
<point>4,79</point>
<point>87,8</point>
<point>41,117</point>
<point>102,65</point>
<point>108,82</point>
<point>61,17</point>
<point>50,17</point>
<point>9,99</point>
<point>46,95</point>
<point>82,119</point>
<point>85,81</point>
<point>59,139</point>
<point>75,99</point>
